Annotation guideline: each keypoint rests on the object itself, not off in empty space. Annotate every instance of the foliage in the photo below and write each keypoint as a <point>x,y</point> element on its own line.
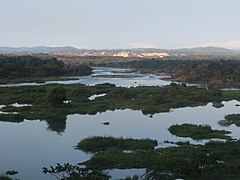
<point>56,96</point>
<point>149,100</point>
<point>197,132</point>
<point>218,104</point>
<point>213,160</point>
<point>74,172</point>
<point>11,118</point>
<point>205,69</point>
<point>35,79</point>
<point>98,143</point>
<point>29,66</point>
<point>234,117</point>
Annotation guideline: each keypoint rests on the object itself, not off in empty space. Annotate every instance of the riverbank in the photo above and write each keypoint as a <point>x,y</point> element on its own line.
<point>35,80</point>
<point>149,100</point>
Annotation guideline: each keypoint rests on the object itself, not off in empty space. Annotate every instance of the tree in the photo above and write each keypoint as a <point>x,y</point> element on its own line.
<point>75,172</point>
<point>56,96</point>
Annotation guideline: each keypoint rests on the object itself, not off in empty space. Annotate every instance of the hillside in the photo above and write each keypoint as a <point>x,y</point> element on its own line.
<point>30,66</point>
<point>37,49</point>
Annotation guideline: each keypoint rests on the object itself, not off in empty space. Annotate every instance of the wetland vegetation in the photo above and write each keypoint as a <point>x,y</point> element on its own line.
<point>198,132</point>
<point>235,118</point>
<point>75,172</point>
<point>213,160</point>
<point>54,102</point>
<point>96,144</point>
<point>47,101</point>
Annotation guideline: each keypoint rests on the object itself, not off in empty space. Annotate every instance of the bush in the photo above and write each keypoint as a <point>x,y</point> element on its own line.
<point>56,96</point>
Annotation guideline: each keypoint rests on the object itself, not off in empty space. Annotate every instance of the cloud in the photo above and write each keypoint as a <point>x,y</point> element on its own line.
<point>225,44</point>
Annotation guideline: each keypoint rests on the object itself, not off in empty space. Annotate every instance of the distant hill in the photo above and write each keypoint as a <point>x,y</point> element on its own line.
<point>209,50</point>
<point>37,49</point>
<point>30,66</point>
<point>197,50</point>
<point>139,52</point>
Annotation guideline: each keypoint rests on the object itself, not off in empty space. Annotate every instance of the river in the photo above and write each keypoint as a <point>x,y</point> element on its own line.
<point>109,75</point>
<point>29,146</point>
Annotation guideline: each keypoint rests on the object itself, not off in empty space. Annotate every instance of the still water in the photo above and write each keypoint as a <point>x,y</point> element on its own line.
<point>127,79</point>
<point>29,146</point>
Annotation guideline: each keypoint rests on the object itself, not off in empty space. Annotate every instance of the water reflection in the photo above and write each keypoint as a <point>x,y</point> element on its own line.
<point>127,79</point>
<point>27,147</point>
<point>57,124</point>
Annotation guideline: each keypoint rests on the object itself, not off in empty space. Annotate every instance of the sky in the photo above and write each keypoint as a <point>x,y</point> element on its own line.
<point>110,24</point>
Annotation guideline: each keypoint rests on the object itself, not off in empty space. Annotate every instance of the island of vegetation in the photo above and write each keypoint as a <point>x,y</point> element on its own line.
<point>235,118</point>
<point>54,102</point>
<point>98,143</point>
<point>198,132</point>
<point>214,160</point>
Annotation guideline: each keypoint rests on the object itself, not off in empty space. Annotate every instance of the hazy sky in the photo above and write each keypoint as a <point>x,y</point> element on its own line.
<point>120,23</point>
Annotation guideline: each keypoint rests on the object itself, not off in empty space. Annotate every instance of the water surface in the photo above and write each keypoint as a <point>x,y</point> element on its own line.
<point>29,146</point>
<point>130,79</point>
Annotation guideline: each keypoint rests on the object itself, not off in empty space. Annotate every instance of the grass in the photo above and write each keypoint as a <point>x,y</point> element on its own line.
<point>235,118</point>
<point>214,160</point>
<point>149,100</point>
<point>34,80</point>
<point>217,104</point>
<point>198,132</point>
<point>98,143</point>
<point>11,118</point>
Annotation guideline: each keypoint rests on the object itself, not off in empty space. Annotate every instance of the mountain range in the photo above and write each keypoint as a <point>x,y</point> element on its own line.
<point>37,49</point>
<point>70,49</point>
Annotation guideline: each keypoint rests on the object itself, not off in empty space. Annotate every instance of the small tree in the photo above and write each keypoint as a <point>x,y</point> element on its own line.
<point>75,172</point>
<point>56,96</point>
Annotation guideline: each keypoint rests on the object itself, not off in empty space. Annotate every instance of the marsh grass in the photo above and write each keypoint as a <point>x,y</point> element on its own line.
<point>215,159</point>
<point>98,143</point>
<point>198,132</point>
<point>235,118</point>
<point>149,100</point>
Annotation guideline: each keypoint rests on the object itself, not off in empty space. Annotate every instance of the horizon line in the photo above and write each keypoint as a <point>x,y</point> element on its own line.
<point>120,48</point>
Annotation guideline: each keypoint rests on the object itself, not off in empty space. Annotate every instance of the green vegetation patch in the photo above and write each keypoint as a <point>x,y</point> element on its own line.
<point>213,160</point>
<point>48,100</point>
<point>97,143</point>
<point>198,132</point>
<point>75,172</point>
<point>218,104</point>
<point>184,69</point>
<point>11,118</point>
<point>36,80</point>
<point>14,67</point>
<point>235,118</point>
